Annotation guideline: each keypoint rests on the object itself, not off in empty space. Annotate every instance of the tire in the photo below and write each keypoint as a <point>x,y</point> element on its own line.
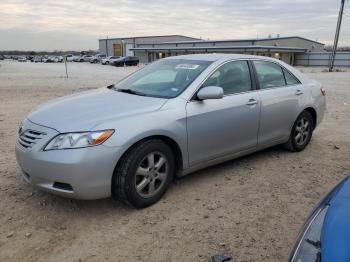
<point>301,133</point>
<point>137,181</point>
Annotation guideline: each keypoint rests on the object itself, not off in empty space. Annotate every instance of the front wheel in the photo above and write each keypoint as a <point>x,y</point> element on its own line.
<point>144,173</point>
<point>301,133</point>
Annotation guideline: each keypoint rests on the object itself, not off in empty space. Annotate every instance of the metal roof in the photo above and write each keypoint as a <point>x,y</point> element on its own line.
<point>152,36</point>
<point>239,40</point>
<point>245,48</point>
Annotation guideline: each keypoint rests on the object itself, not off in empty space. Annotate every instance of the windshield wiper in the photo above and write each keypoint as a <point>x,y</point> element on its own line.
<point>130,91</point>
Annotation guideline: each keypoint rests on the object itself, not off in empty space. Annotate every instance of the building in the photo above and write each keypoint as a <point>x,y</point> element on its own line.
<point>151,48</point>
<point>122,46</point>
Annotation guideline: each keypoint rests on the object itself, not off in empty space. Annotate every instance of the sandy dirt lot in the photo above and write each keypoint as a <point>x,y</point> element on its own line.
<point>252,207</point>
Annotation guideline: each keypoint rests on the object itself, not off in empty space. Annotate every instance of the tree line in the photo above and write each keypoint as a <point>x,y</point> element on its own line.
<point>49,53</point>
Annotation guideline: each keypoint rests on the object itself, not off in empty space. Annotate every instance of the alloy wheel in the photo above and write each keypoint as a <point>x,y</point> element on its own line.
<point>151,174</point>
<point>302,131</point>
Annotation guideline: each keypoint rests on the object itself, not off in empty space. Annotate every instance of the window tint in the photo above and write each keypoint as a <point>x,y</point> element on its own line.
<point>290,79</point>
<point>269,74</point>
<point>233,77</point>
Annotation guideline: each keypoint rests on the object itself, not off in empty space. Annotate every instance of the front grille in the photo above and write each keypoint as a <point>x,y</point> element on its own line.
<point>28,138</point>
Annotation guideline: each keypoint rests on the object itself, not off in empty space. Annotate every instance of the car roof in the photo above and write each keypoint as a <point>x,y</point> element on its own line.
<point>216,57</point>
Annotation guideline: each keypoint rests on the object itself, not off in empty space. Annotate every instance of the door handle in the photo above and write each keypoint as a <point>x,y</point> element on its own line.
<point>299,92</point>
<point>251,102</point>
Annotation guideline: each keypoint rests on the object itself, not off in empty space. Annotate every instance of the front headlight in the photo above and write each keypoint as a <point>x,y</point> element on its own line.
<point>308,246</point>
<point>78,140</point>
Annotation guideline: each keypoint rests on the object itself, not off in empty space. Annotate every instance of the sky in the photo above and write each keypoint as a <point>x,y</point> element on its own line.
<point>78,24</point>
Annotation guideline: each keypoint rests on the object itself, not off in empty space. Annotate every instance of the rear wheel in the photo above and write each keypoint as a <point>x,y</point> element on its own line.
<point>301,132</point>
<point>144,173</point>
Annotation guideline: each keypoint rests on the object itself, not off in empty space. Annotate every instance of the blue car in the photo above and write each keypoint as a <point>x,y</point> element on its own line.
<point>326,234</point>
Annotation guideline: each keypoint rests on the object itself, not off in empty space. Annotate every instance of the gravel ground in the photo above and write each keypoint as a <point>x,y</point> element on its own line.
<point>252,207</point>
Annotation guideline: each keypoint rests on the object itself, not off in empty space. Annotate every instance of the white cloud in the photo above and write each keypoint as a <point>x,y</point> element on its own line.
<point>77,24</point>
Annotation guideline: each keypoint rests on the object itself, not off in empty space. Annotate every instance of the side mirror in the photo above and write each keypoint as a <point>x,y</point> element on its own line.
<point>210,92</point>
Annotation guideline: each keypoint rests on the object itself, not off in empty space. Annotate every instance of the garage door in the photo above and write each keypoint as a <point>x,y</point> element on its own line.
<point>117,49</point>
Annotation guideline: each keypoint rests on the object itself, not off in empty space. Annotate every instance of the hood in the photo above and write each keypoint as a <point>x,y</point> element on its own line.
<point>336,227</point>
<point>83,111</point>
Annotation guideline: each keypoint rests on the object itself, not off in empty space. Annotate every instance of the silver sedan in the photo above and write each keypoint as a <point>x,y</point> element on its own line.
<point>170,118</point>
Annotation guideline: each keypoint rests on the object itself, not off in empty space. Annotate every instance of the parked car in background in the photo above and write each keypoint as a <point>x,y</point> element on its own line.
<point>22,59</point>
<point>46,59</point>
<point>325,235</point>
<point>172,117</point>
<point>127,61</point>
<point>2,57</point>
<point>37,59</point>
<point>97,58</point>
<point>30,58</point>
<point>58,59</point>
<point>77,58</point>
<point>49,59</point>
<point>69,57</point>
<point>109,60</point>
<point>84,58</point>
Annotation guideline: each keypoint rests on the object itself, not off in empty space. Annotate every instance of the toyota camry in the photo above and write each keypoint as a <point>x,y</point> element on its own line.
<point>170,118</point>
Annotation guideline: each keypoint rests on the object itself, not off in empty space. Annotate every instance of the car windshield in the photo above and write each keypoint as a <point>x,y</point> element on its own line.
<point>165,78</point>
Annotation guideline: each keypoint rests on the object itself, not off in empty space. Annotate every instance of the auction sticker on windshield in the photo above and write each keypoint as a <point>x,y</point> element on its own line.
<point>186,66</point>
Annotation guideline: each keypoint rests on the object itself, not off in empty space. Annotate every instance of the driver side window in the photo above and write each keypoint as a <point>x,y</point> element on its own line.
<point>233,77</point>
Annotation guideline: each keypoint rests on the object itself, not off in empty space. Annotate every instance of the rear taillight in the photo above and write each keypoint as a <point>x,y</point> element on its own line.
<point>323,91</point>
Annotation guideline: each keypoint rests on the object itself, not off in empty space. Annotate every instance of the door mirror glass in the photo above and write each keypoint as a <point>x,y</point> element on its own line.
<point>210,92</point>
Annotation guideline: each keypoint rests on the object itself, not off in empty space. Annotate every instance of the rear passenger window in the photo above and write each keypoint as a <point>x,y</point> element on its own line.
<point>290,79</point>
<point>269,74</point>
<point>233,77</point>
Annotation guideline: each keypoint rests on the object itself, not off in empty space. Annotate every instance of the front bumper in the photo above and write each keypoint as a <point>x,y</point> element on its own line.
<point>84,173</point>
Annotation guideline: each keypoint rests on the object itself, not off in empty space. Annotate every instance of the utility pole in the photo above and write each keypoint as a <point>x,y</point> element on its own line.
<point>336,38</point>
<point>65,64</point>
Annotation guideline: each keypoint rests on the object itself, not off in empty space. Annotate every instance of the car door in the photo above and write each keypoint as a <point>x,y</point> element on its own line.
<point>279,93</point>
<point>127,61</point>
<point>224,126</point>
